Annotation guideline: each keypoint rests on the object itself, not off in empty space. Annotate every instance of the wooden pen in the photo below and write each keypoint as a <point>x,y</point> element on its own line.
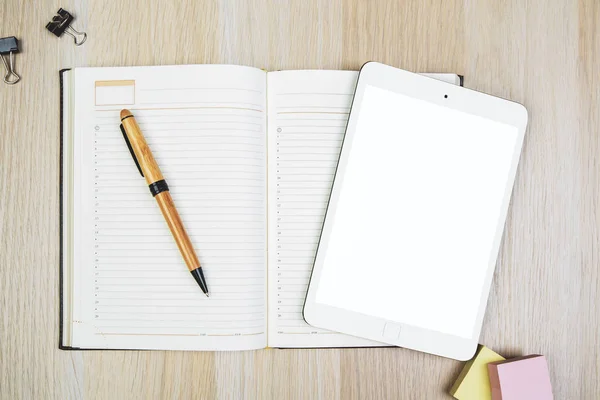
<point>149,169</point>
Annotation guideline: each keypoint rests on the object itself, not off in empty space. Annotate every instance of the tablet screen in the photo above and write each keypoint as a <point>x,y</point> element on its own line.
<point>420,205</point>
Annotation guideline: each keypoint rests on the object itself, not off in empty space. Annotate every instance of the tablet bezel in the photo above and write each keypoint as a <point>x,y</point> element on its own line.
<point>446,95</point>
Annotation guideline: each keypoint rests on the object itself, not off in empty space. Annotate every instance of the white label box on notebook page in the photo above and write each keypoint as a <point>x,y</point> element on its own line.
<point>115,92</point>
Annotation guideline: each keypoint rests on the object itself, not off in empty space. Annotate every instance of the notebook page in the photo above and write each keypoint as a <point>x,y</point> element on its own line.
<point>206,128</point>
<point>307,115</point>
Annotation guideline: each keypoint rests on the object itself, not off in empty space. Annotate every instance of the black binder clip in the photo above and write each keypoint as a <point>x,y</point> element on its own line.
<point>61,23</point>
<point>8,47</point>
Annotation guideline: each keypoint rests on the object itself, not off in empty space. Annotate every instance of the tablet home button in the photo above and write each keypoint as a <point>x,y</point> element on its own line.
<point>391,331</point>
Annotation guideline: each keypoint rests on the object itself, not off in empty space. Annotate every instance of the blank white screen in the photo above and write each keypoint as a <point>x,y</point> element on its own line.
<point>420,203</point>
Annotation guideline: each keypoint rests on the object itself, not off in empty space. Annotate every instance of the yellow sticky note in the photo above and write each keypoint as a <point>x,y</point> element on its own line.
<point>473,383</point>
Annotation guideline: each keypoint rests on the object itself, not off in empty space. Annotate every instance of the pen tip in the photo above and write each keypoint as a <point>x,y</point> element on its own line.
<point>125,113</point>
<point>207,294</point>
<point>199,277</point>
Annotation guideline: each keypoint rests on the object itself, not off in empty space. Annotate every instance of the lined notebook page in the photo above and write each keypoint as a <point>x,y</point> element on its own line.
<point>307,115</point>
<point>206,128</point>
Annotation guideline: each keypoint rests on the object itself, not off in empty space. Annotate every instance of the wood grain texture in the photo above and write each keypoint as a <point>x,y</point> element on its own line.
<point>546,290</point>
<point>175,224</point>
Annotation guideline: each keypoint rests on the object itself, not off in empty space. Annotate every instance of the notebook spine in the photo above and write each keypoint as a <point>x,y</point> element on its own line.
<point>60,204</point>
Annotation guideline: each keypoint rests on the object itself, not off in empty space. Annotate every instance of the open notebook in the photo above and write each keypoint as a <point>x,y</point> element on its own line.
<point>249,157</point>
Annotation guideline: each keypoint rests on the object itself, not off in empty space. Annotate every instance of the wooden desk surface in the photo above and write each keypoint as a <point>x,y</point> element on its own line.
<point>546,292</point>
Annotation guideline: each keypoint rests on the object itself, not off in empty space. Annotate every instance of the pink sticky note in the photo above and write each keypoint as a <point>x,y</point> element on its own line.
<point>523,378</point>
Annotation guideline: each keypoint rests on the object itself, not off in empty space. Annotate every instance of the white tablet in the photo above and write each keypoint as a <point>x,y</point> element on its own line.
<point>416,214</point>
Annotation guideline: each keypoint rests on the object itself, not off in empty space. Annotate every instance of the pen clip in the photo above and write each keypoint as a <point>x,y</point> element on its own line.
<point>137,164</point>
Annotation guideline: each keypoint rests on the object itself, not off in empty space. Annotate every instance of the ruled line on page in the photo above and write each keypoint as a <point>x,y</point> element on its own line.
<point>132,108</point>
<point>203,102</point>
<point>200,88</point>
